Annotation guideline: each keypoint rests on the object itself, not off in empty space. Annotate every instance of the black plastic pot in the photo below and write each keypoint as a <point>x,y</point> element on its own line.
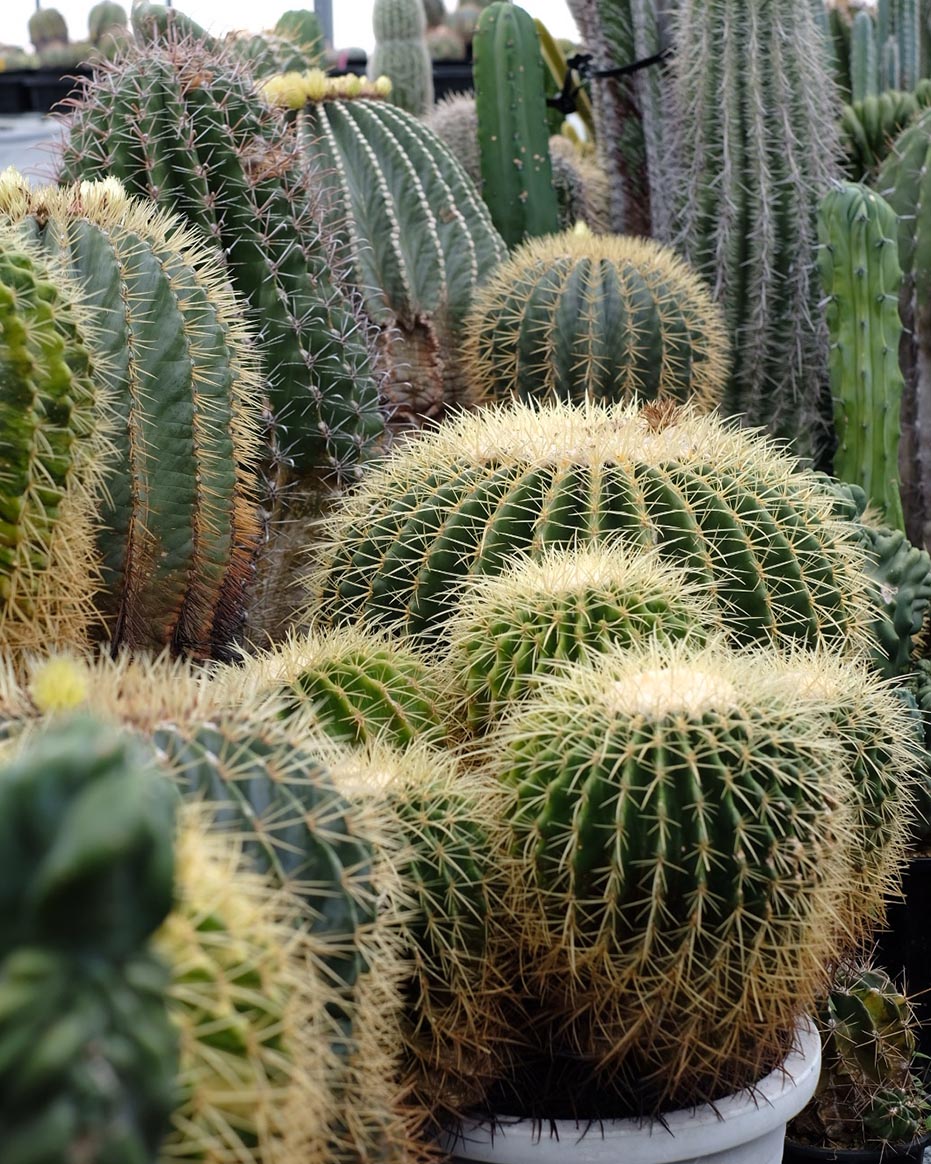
<point>451,77</point>
<point>903,949</point>
<point>908,1154</point>
<point>14,96</point>
<point>48,88</point>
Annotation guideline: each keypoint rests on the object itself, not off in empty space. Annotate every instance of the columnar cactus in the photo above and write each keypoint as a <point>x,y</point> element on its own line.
<point>864,58</point>
<point>401,54</point>
<point>106,18</point>
<point>904,181</point>
<point>513,135</point>
<point>680,823</point>
<point>179,122</point>
<point>52,421</point>
<point>536,616</point>
<point>869,127</point>
<point>745,215</point>
<point>605,318</point>
<point>47,28</point>
<point>414,229</point>
<point>179,528</point>
<point>733,512</point>
<point>861,277</point>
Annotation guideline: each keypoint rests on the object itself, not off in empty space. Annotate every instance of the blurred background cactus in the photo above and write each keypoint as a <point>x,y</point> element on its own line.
<point>402,55</point>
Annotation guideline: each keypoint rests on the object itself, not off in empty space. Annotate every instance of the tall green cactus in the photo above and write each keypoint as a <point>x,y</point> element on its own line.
<point>905,181</point>
<point>53,452</point>
<point>513,137</point>
<point>401,54</point>
<point>596,317</point>
<point>861,278</point>
<point>679,822</point>
<point>864,58</point>
<point>754,153</point>
<point>179,528</point>
<point>179,121</point>
<point>734,513</point>
<point>413,229</point>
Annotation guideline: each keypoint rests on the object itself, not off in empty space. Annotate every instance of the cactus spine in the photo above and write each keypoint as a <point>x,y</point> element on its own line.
<point>747,220</point>
<point>604,318</point>
<point>179,529</point>
<point>729,509</point>
<point>513,138</point>
<point>401,54</point>
<point>861,277</point>
<point>52,425</point>
<point>179,122</point>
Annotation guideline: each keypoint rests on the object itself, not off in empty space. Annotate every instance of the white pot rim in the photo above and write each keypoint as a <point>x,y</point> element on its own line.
<point>682,1135</point>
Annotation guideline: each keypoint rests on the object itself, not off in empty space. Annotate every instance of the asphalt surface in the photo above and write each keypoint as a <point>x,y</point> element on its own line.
<point>27,142</point>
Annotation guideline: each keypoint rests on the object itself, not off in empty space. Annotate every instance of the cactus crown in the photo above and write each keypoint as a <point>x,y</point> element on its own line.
<point>295,90</point>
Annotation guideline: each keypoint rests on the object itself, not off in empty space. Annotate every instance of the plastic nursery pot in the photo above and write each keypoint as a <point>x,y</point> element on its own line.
<point>913,1153</point>
<point>746,1128</point>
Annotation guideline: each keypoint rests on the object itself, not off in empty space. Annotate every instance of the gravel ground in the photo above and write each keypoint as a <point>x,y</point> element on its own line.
<point>26,141</point>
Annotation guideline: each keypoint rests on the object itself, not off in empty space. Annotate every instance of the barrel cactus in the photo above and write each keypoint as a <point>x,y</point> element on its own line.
<point>179,529</point>
<point>413,228</point>
<point>736,514</point>
<point>680,822</point>
<point>89,1054</point>
<point>537,616</point>
<point>605,318</point>
<point>53,423</point>
<point>47,27</point>
<point>179,122</point>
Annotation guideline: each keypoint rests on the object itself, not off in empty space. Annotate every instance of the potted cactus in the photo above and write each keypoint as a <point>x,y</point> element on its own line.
<point>871,1103</point>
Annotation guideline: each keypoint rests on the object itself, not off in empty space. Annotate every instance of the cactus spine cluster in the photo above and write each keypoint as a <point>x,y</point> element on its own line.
<point>179,122</point>
<point>513,135</point>
<point>747,219</point>
<point>52,426</point>
<point>861,276</point>
<point>179,529</point>
<point>608,318</point>
<point>401,54</point>
<point>733,512</point>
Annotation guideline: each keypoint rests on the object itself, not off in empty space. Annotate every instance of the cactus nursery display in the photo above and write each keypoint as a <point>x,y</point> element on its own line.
<point>464,579</point>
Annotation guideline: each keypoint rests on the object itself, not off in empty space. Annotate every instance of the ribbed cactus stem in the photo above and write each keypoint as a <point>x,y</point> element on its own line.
<point>513,137</point>
<point>755,148</point>
<point>401,54</point>
<point>861,277</point>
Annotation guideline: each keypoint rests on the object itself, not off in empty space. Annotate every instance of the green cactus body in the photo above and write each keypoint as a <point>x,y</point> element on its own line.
<point>861,278</point>
<point>890,66</point>
<point>869,1090</point>
<point>153,22</point>
<point>88,1057</point>
<point>537,616</point>
<point>903,181</point>
<point>723,505</point>
<point>180,526</point>
<point>47,27</point>
<point>864,62</point>
<point>182,125</point>
<point>301,26</point>
<point>454,121</point>
<point>256,1073</point>
<point>513,136</point>
<point>401,54</point>
<point>266,54</point>
<point>745,216</point>
<point>901,583</point>
<point>680,827</point>
<point>417,234</point>
<point>581,185</point>
<point>52,452</point>
<point>605,318</point>
<point>105,17</point>
<point>355,687</point>
<point>839,35</point>
<point>870,126</point>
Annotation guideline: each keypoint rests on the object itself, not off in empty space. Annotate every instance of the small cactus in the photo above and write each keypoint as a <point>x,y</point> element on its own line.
<point>578,317</point>
<point>401,54</point>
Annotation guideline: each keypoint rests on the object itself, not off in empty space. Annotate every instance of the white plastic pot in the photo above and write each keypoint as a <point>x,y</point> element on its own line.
<point>746,1128</point>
